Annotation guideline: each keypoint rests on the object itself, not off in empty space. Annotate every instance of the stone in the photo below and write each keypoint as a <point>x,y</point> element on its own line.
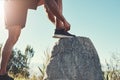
<point>74,59</point>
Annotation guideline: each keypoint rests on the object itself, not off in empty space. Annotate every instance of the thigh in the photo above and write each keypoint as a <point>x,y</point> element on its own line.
<point>15,13</point>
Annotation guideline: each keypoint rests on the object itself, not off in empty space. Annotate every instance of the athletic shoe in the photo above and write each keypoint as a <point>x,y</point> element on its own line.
<point>62,34</point>
<point>5,77</point>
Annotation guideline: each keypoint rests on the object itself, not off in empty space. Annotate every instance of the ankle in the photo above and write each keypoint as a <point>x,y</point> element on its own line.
<point>60,29</point>
<point>3,72</point>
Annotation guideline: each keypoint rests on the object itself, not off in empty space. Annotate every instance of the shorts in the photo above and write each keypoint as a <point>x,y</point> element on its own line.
<point>16,12</point>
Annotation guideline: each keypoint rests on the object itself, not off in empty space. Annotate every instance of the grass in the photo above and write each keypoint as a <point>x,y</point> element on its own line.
<point>45,63</point>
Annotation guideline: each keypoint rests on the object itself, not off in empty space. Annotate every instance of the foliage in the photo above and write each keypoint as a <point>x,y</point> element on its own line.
<point>113,68</point>
<point>19,62</point>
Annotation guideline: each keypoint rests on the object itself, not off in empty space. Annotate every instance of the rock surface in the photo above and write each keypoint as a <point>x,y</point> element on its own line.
<point>74,59</point>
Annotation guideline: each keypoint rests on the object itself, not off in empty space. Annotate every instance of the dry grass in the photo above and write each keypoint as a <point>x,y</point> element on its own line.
<point>45,63</point>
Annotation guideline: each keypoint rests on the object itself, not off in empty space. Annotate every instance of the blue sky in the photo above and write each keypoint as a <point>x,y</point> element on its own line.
<point>97,19</point>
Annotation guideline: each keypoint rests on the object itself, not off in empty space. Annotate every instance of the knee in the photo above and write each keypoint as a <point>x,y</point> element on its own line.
<point>14,35</point>
<point>13,39</point>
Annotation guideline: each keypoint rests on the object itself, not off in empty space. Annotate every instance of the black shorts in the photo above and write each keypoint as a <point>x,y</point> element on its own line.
<point>16,11</point>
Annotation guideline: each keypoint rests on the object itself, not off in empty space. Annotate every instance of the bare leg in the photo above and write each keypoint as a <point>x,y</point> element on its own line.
<point>59,23</point>
<point>54,8</point>
<point>14,33</point>
<point>50,14</point>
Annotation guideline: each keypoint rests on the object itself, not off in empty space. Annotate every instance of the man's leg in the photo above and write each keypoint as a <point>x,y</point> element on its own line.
<point>50,14</point>
<point>13,35</point>
<point>59,23</point>
<point>54,8</point>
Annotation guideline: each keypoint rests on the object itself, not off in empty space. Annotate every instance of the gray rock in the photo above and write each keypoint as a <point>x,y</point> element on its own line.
<point>74,59</point>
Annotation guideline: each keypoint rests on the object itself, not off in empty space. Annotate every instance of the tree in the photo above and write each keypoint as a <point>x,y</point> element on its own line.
<point>19,62</point>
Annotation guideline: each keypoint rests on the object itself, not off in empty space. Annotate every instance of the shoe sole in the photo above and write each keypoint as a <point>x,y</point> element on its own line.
<point>62,36</point>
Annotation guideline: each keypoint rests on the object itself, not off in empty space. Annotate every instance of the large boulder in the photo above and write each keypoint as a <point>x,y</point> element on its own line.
<point>74,59</point>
